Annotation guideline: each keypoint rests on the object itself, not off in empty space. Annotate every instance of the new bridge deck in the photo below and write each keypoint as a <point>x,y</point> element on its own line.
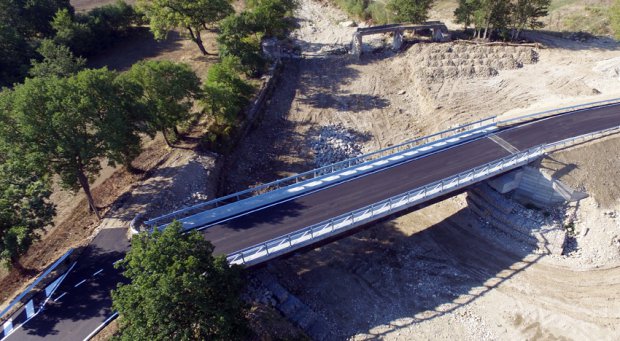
<point>289,216</point>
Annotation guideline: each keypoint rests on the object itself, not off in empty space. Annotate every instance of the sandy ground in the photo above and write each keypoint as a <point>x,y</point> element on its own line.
<point>441,272</point>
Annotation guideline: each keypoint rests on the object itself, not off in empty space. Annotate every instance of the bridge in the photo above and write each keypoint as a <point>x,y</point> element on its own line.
<point>439,32</point>
<point>271,220</point>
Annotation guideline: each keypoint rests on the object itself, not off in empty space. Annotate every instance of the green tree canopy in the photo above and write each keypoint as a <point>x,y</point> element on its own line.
<point>526,14</point>
<point>178,290</point>
<point>192,16</point>
<point>238,38</point>
<point>69,122</point>
<point>415,11</point>
<point>167,91</point>
<point>58,60</point>
<point>615,18</point>
<point>225,93</point>
<point>507,17</point>
<point>24,192</point>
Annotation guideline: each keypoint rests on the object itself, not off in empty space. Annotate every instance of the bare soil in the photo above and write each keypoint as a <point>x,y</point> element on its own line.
<point>441,272</point>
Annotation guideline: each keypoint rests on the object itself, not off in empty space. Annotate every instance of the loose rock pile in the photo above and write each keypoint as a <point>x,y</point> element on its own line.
<point>335,143</point>
<point>450,61</point>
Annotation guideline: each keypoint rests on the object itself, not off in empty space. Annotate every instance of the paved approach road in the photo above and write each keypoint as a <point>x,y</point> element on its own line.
<point>82,308</point>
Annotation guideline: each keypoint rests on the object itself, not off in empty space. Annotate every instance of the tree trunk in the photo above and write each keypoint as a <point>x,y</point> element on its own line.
<point>163,131</point>
<point>198,40</point>
<point>86,187</point>
<point>176,131</point>
<point>17,265</point>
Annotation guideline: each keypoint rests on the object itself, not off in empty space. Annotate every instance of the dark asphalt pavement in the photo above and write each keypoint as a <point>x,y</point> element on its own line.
<point>78,312</point>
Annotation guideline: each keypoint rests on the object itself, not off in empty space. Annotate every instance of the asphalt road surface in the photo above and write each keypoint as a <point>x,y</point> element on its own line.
<point>83,302</point>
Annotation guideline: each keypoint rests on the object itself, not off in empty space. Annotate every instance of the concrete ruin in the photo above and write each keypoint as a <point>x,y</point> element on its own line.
<point>439,32</point>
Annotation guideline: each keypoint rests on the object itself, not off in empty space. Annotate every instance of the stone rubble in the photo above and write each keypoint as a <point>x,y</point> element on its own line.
<point>334,143</point>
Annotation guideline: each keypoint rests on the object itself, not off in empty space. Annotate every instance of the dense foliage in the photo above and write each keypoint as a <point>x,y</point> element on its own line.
<point>58,60</point>
<point>192,16</point>
<point>241,35</point>
<point>73,123</point>
<point>166,90</point>
<point>225,93</point>
<point>87,34</point>
<point>505,17</point>
<point>24,193</point>
<point>22,23</point>
<point>615,18</point>
<point>415,11</point>
<point>26,28</point>
<point>178,290</point>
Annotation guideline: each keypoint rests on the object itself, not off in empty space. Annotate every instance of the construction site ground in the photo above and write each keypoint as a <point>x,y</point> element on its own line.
<point>440,272</point>
<point>437,273</point>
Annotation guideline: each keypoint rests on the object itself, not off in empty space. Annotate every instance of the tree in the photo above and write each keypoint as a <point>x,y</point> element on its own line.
<point>192,16</point>
<point>464,13</point>
<point>22,23</point>
<point>415,11</point>
<point>615,18</point>
<point>24,193</point>
<point>76,35</point>
<point>167,91</point>
<point>238,37</point>
<point>15,50</point>
<point>178,290</point>
<point>69,122</point>
<point>225,93</point>
<point>58,60</point>
<point>525,13</point>
<point>270,16</point>
<point>32,18</point>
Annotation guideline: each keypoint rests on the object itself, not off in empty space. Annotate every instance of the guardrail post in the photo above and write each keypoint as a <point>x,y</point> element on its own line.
<point>266,248</point>
<point>290,242</point>
<point>242,258</point>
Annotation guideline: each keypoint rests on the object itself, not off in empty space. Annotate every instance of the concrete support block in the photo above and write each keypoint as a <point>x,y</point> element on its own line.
<point>507,182</point>
<point>356,45</point>
<point>397,43</point>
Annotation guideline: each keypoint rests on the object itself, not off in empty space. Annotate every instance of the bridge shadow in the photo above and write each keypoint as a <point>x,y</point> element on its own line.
<point>282,214</point>
<point>394,275</point>
<point>90,300</point>
<point>558,168</point>
<point>139,44</point>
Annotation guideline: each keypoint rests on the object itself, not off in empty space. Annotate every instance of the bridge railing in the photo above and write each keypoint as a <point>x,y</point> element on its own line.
<point>311,234</point>
<point>553,112</point>
<point>309,175</point>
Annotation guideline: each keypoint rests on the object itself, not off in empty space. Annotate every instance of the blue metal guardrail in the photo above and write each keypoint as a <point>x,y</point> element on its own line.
<point>37,281</point>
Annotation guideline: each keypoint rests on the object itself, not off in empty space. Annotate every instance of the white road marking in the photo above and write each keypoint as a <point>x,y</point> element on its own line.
<point>504,144</point>
<point>94,332</point>
<point>77,285</point>
<point>98,272</point>
<point>59,297</point>
<point>29,308</point>
<point>8,327</point>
